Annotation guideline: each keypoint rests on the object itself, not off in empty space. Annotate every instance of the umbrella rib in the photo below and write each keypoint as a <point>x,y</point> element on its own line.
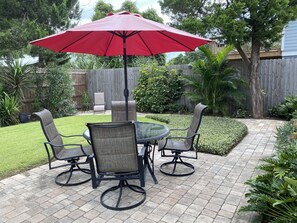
<point>109,43</point>
<point>145,43</point>
<point>161,32</point>
<point>61,50</point>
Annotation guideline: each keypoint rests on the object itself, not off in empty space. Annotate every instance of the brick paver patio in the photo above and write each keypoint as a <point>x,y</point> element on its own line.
<point>214,193</point>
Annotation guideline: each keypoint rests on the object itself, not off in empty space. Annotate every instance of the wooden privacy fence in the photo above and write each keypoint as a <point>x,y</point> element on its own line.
<point>111,82</point>
<point>278,79</point>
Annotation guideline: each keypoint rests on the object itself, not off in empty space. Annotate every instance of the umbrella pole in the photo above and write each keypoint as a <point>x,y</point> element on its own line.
<point>126,91</point>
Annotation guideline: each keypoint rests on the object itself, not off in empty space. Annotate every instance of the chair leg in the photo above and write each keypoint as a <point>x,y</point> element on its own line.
<point>74,167</point>
<point>171,168</point>
<point>122,184</point>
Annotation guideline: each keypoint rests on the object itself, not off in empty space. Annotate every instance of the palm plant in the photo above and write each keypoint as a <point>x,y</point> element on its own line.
<point>9,107</point>
<point>214,82</point>
<point>16,77</point>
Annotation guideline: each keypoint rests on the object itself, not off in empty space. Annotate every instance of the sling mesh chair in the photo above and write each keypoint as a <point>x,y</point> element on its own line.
<point>175,147</point>
<point>118,111</point>
<point>99,102</point>
<point>68,152</point>
<point>116,157</point>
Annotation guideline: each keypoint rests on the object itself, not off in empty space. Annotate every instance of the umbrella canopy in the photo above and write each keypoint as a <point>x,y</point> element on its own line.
<point>124,34</point>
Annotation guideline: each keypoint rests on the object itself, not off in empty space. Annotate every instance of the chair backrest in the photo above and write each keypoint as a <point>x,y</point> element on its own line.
<point>49,129</point>
<point>195,124</point>
<point>114,147</point>
<point>118,111</point>
<point>99,98</point>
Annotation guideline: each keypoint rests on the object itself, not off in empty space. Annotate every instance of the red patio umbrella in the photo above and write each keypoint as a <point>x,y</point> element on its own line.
<point>123,34</point>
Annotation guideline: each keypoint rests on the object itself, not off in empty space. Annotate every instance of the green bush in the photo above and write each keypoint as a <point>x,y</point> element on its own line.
<point>58,93</point>
<point>273,194</point>
<point>158,89</point>
<point>9,107</point>
<point>286,110</point>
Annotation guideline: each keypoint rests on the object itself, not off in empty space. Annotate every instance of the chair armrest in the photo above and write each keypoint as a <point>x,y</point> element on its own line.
<point>180,129</point>
<point>178,137</point>
<point>65,145</point>
<point>71,136</point>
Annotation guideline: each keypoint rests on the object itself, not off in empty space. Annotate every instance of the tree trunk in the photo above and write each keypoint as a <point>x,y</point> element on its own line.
<point>255,85</point>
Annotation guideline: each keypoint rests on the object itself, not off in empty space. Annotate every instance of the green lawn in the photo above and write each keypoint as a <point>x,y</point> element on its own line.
<point>22,145</point>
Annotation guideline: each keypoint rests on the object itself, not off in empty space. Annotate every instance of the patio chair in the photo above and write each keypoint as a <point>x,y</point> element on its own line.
<point>99,102</point>
<point>71,153</point>
<point>175,147</point>
<point>118,111</point>
<point>116,157</point>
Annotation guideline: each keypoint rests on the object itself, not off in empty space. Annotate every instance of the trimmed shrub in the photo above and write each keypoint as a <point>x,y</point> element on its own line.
<point>158,89</point>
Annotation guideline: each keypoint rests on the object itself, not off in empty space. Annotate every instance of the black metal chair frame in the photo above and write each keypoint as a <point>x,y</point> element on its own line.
<point>122,177</point>
<point>72,161</point>
<point>177,154</point>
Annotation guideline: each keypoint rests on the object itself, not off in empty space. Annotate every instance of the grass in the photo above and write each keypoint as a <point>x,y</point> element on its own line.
<point>22,145</point>
<point>218,135</point>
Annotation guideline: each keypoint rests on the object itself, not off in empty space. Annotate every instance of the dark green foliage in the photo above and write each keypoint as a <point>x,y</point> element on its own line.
<point>9,107</point>
<point>214,83</point>
<point>273,193</point>
<point>85,101</point>
<point>22,21</point>
<point>58,93</point>
<point>158,118</point>
<point>16,77</point>
<point>158,89</point>
<point>286,110</point>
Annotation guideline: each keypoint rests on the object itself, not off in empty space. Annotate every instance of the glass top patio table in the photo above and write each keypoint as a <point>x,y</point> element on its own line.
<point>145,132</point>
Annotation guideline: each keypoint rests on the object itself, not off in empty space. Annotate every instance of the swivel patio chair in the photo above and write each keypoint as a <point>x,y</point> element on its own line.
<point>71,153</point>
<point>118,111</point>
<point>175,147</point>
<point>99,102</point>
<point>116,157</point>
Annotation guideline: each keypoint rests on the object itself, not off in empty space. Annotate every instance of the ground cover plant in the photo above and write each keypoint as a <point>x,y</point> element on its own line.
<point>218,134</point>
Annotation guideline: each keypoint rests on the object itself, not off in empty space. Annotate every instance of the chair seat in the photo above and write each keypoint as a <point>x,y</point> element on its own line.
<point>99,107</point>
<point>172,145</point>
<point>74,152</point>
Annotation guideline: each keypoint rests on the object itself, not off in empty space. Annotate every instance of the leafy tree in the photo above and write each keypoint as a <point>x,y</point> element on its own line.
<point>22,21</point>
<point>237,22</point>
<point>214,83</point>
<point>187,58</point>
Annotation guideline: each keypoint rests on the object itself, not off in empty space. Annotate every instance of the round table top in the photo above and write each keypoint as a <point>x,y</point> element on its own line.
<point>145,132</point>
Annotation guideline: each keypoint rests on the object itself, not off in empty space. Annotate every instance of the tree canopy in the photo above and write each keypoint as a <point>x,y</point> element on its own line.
<point>258,22</point>
<point>23,21</point>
